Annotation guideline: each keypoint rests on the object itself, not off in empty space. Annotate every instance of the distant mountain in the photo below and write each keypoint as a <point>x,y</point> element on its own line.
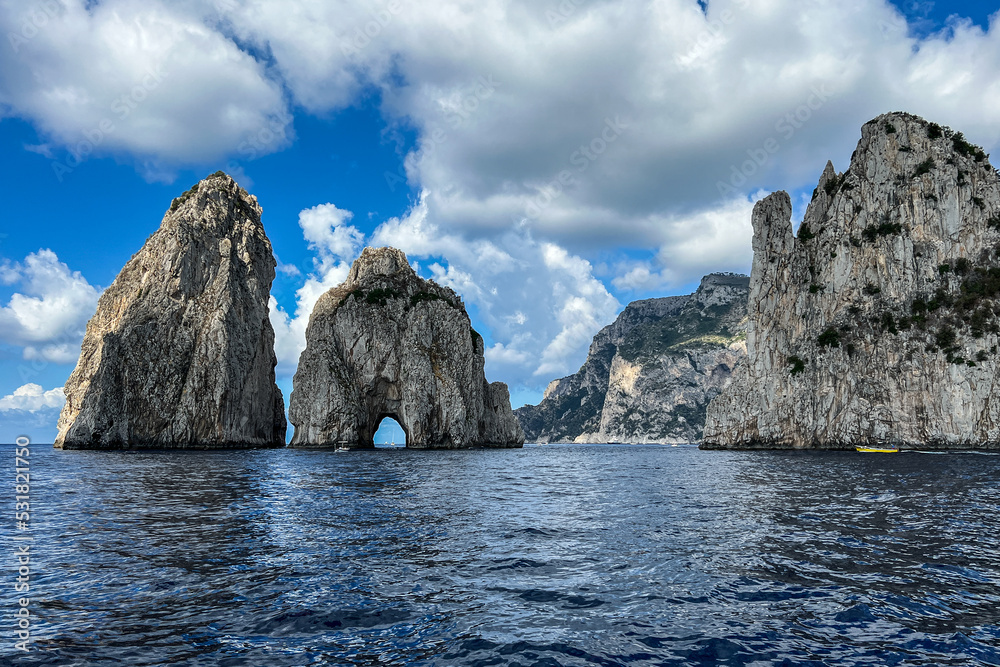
<point>650,375</point>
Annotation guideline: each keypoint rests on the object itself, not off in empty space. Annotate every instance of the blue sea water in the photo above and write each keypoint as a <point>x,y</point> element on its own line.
<point>546,556</point>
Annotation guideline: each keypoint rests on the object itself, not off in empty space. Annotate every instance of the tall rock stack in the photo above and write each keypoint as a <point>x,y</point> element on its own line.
<point>180,353</point>
<point>650,375</point>
<point>878,323</point>
<point>387,343</point>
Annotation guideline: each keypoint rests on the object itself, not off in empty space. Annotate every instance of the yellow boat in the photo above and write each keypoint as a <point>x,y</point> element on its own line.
<point>879,450</point>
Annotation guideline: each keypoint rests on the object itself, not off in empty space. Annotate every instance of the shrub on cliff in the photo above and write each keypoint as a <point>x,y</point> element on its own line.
<point>829,338</point>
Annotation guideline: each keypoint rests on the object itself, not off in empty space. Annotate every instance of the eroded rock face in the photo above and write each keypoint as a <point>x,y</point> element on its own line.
<point>650,375</point>
<point>387,343</point>
<point>181,352</point>
<point>878,323</point>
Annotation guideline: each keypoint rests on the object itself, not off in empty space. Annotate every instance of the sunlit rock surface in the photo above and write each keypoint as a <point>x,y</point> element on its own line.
<point>388,343</point>
<point>877,324</point>
<point>650,375</point>
<point>180,352</point>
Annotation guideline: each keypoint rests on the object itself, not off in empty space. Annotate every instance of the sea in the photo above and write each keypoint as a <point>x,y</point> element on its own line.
<point>546,556</point>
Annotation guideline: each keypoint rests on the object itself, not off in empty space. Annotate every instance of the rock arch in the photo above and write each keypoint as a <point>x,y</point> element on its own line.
<point>396,421</point>
<point>387,342</point>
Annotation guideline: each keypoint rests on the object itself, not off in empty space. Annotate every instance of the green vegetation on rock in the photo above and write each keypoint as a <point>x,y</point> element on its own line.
<point>691,328</point>
<point>423,296</point>
<point>829,338</point>
<point>797,364</point>
<point>872,232</point>
<point>924,167</point>
<point>176,203</point>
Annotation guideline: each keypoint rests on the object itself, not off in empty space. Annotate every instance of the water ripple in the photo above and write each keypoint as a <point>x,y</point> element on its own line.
<point>557,555</point>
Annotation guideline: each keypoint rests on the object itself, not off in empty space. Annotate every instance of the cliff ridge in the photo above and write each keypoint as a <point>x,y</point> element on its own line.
<point>650,374</point>
<point>878,322</point>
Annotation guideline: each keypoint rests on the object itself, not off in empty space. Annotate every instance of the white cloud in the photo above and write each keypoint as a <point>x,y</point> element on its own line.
<point>336,245</point>
<point>289,270</point>
<point>638,277</point>
<point>62,353</point>
<point>49,315</point>
<point>642,121</point>
<point>45,150</point>
<point>542,304</point>
<point>325,228</point>
<point>32,398</point>
<point>501,355</point>
<point>716,239</point>
<point>140,78</point>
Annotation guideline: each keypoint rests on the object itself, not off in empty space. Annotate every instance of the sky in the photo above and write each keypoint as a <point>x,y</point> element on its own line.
<point>549,161</point>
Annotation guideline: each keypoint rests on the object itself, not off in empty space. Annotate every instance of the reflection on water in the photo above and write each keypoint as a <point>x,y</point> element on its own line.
<point>556,555</point>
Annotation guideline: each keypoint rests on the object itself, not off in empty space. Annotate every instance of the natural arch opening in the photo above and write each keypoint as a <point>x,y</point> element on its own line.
<point>390,433</point>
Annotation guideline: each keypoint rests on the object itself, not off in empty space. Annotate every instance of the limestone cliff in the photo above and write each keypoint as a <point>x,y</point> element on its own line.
<point>387,343</point>
<point>650,375</point>
<point>180,352</point>
<point>877,324</point>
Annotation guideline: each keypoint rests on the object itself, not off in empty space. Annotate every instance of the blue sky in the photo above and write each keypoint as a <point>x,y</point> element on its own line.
<point>550,162</point>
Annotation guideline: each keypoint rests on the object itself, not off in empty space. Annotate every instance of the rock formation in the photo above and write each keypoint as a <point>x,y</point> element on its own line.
<point>877,324</point>
<point>387,343</point>
<point>181,351</point>
<point>650,375</point>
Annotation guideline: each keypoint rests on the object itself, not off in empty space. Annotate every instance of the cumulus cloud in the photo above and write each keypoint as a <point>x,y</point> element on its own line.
<point>143,79</point>
<point>539,115</point>
<point>325,228</point>
<point>336,244</point>
<point>541,303</point>
<point>716,239</point>
<point>643,120</point>
<point>32,398</point>
<point>289,270</point>
<point>48,316</point>
<point>529,110</point>
<point>61,353</point>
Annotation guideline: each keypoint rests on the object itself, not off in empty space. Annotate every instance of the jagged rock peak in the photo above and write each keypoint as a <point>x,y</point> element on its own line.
<point>379,262</point>
<point>181,352</point>
<point>218,189</point>
<point>877,322</point>
<point>387,343</point>
<point>719,289</point>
